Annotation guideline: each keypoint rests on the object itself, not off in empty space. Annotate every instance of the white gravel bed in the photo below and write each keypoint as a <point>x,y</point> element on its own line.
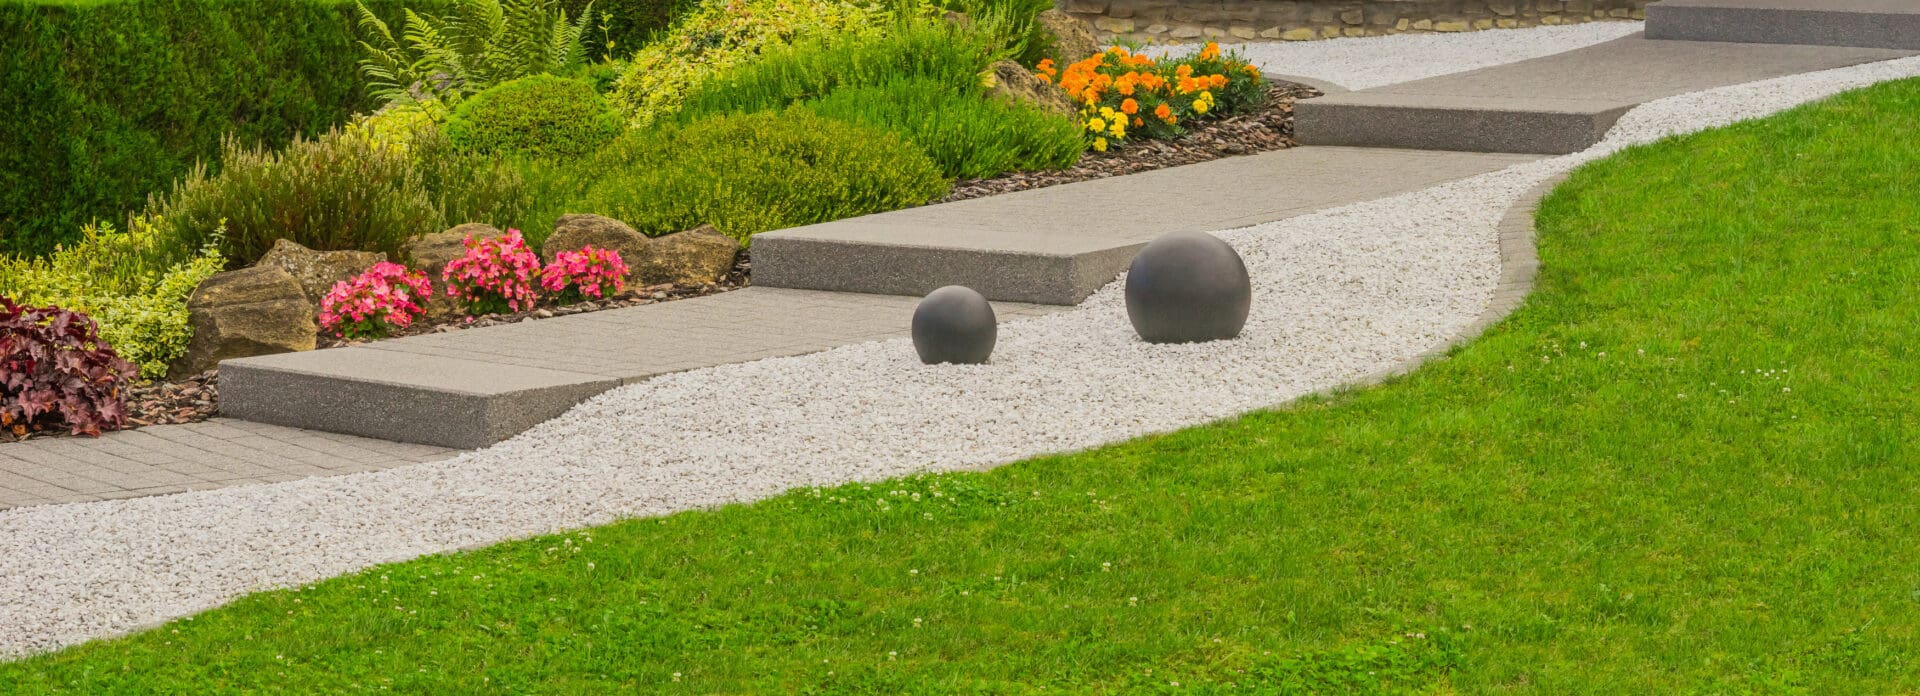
<point>1365,63</point>
<point>1338,295</point>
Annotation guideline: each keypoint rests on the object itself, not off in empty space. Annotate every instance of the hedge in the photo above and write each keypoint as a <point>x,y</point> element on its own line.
<point>110,101</point>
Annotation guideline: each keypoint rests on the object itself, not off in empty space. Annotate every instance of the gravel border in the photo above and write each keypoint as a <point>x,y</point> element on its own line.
<point>1340,295</point>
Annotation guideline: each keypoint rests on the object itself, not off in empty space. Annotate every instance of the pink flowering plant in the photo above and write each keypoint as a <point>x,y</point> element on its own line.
<point>495,275</point>
<point>375,303</point>
<point>574,276</point>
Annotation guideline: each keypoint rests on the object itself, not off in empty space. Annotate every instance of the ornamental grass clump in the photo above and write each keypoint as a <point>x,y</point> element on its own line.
<point>385,298</point>
<point>1125,95</point>
<point>574,276</point>
<point>56,369</point>
<point>495,276</point>
<point>965,133</point>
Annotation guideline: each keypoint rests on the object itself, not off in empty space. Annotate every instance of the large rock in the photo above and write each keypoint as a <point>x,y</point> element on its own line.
<point>695,257</point>
<point>1073,40</point>
<point>317,271</point>
<point>253,311</point>
<point>1010,81</point>
<point>573,232</point>
<point>432,252</point>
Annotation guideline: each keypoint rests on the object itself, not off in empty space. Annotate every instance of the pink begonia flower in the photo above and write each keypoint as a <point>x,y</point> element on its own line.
<point>371,304</point>
<point>494,272</point>
<point>596,273</point>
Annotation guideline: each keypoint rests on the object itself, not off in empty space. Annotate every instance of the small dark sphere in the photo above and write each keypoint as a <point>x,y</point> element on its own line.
<point>1188,287</point>
<point>954,325</point>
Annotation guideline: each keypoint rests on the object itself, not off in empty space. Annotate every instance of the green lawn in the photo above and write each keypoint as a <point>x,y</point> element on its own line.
<point>1687,465</point>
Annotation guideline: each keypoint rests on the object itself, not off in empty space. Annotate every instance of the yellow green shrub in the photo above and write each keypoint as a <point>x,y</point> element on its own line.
<point>722,35</point>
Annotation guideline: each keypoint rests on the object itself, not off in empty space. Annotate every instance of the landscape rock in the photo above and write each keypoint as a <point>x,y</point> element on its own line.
<point>1073,40</point>
<point>1011,81</point>
<point>576,231</point>
<point>253,311</point>
<point>317,271</point>
<point>695,257</point>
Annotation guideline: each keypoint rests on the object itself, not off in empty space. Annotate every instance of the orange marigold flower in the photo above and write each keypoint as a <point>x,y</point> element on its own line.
<point>1217,81</point>
<point>1164,112</point>
<point>1184,71</point>
<point>1137,122</point>
<point>1253,70</point>
<point>1211,51</point>
<point>1130,107</point>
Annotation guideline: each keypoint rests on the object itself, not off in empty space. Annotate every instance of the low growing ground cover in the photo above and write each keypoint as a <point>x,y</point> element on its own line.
<point>1684,466</point>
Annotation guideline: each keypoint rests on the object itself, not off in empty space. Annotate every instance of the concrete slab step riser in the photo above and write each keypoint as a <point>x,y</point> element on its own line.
<point>1458,130</point>
<point>401,413</point>
<point>1809,27</point>
<point>815,264</point>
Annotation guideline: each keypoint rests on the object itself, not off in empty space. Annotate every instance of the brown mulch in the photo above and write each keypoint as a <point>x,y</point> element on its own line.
<point>1271,128</point>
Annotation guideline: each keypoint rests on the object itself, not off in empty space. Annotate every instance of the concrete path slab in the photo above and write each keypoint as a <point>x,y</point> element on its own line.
<point>1057,245</point>
<point>1553,105</point>
<point>472,388</point>
<point>1865,23</point>
<point>163,459</point>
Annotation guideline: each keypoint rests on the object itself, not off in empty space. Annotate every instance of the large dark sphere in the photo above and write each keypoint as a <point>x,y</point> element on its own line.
<point>1188,287</point>
<point>954,325</point>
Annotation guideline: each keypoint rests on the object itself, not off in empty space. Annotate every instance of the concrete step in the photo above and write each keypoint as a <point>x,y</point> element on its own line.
<point>1058,244</point>
<point>1864,23</point>
<point>472,388</point>
<point>1553,105</point>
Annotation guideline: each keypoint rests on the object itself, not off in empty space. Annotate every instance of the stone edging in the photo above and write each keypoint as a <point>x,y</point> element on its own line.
<point>1233,21</point>
<point>1519,266</point>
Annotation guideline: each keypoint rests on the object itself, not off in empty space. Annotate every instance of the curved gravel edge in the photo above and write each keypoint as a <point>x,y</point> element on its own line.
<point>1378,61</point>
<point>1340,295</point>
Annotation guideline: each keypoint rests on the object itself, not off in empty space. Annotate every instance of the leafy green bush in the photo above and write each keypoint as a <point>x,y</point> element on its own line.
<point>967,134</point>
<point>107,102</point>
<point>480,44</point>
<point>134,284</point>
<point>750,173</point>
<point>539,115</point>
<point>337,192</point>
<point>922,49</point>
<point>723,34</point>
<point>617,27</point>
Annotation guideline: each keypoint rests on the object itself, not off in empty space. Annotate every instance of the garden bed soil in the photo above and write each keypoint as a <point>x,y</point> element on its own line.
<point>1271,128</point>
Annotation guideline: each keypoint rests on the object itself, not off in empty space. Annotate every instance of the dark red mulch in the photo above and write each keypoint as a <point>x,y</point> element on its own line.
<point>1270,128</point>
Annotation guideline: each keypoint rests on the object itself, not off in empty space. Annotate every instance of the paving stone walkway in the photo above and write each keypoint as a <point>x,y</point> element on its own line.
<point>197,456</point>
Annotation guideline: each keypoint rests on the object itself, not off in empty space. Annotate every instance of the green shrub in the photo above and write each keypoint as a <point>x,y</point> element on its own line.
<point>750,173</point>
<point>481,43</point>
<point>967,134</point>
<point>723,34</point>
<point>617,27</point>
<point>338,191</point>
<point>135,285</point>
<point>540,115</point>
<point>921,49</point>
<point>107,102</point>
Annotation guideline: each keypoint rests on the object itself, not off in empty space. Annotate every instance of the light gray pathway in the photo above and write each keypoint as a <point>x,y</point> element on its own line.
<point>1057,245</point>
<point>1557,104</point>
<point>472,388</point>
<point>1870,23</point>
<point>176,458</point>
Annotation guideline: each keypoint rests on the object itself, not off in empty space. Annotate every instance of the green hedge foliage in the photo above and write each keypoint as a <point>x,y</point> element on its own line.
<point>750,173</point>
<point>912,49</point>
<point>109,101</point>
<point>967,135</point>
<point>541,115</point>
<point>627,24</point>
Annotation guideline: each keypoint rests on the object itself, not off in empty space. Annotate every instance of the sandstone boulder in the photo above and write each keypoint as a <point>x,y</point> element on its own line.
<point>1011,81</point>
<point>695,257</point>
<point>317,271</point>
<point>253,311</point>
<point>1073,40</point>
<point>573,232</point>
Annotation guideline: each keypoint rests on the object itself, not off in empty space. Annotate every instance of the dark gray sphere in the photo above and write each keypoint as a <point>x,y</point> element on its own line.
<point>1188,287</point>
<point>954,325</point>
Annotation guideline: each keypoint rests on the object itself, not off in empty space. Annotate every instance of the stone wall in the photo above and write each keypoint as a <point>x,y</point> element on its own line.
<point>1174,21</point>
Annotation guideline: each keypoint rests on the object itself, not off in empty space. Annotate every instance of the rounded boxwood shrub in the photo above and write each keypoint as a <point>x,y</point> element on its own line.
<point>540,115</point>
<point>750,173</point>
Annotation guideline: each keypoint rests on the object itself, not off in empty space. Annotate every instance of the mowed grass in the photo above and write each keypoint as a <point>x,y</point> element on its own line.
<point>1687,465</point>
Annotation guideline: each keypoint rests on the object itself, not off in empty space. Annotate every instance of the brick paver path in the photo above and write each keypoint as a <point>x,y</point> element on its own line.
<point>175,458</point>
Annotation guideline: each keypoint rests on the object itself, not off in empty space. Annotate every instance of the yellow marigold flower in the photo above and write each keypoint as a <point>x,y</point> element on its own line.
<point>1200,106</point>
<point>1100,144</point>
<point>1096,125</point>
<point>1119,129</point>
